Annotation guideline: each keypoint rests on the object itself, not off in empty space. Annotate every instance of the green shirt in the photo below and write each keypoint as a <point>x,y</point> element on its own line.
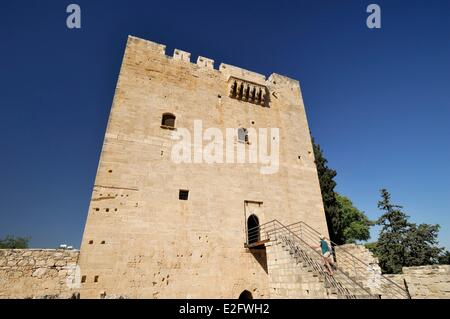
<point>324,246</point>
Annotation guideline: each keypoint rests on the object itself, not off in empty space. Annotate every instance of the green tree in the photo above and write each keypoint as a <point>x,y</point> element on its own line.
<point>401,243</point>
<point>421,244</point>
<point>346,224</point>
<point>391,242</point>
<point>372,247</point>
<point>353,224</point>
<point>11,242</point>
<point>444,258</point>
<point>327,185</point>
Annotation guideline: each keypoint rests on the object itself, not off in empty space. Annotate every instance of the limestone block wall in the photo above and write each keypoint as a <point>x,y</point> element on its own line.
<point>426,282</point>
<point>431,281</point>
<point>38,273</point>
<point>141,239</point>
<point>397,278</point>
<point>289,279</point>
<point>363,267</point>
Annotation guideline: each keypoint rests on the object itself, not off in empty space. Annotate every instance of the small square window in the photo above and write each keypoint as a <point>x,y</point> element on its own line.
<point>83,279</point>
<point>91,242</point>
<point>96,279</point>
<point>184,194</point>
<point>168,121</point>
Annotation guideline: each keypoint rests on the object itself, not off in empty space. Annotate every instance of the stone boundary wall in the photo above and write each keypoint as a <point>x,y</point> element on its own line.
<point>39,273</point>
<point>425,282</point>
<point>54,273</point>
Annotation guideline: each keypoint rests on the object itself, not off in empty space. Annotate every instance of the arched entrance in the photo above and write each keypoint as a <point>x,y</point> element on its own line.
<point>253,229</point>
<point>246,295</point>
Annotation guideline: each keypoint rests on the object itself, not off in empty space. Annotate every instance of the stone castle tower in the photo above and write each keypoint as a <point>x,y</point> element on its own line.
<point>157,228</point>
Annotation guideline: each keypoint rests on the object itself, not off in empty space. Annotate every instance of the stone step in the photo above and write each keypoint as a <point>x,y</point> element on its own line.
<point>333,290</point>
<point>294,272</point>
<point>299,279</point>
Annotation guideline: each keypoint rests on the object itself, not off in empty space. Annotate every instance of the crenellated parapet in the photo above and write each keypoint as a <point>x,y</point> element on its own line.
<point>205,62</point>
<point>243,85</point>
<point>146,45</point>
<point>281,80</point>
<point>181,55</point>
<point>237,72</point>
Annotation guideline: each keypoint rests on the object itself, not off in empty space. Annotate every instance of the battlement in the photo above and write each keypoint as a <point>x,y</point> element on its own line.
<point>181,55</point>
<point>205,62</point>
<point>227,70</point>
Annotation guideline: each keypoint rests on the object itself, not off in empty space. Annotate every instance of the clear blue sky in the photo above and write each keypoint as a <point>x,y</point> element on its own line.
<point>378,101</point>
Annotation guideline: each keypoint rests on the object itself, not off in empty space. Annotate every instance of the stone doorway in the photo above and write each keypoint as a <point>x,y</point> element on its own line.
<point>246,295</point>
<point>254,217</point>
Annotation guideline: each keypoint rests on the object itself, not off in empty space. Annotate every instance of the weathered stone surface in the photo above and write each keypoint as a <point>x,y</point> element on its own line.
<point>359,263</point>
<point>50,262</point>
<point>22,263</point>
<point>39,272</point>
<point>138,232</point>
<point>432,281</point>
<point>289,279</point>
<point>427,282</point>
<point>31,275</point>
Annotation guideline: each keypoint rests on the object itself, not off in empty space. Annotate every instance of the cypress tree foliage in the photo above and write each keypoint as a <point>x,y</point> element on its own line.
<point>401,243</point>
<point>444,259</point>
<point>327,185</point>
<point>390,248</point>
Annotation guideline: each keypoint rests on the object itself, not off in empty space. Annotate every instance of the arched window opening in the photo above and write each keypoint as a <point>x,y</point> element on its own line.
<point>243,135</point>
<point>253,235</point>
<point>233,90</point>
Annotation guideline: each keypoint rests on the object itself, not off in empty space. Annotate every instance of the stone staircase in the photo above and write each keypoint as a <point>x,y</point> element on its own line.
<point>296,269</point>
<point>290,278</point>
<point>300,273</point>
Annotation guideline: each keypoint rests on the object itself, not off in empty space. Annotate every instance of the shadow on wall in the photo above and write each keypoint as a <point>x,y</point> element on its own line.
<point>261,257</point>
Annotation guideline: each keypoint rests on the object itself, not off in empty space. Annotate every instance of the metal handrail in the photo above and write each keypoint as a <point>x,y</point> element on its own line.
<point>316,266</point>
<point>404,292</point>
<point>258,231</point>
<point>255,232</point>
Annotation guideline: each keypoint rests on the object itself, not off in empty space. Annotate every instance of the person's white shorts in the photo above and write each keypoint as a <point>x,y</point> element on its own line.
<point>327,254</point>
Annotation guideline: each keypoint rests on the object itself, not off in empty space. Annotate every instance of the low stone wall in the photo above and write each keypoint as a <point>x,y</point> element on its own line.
<point>38,273</point>
<point>53,273</point>
<point>432,281</point>
<point>426,282</point>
